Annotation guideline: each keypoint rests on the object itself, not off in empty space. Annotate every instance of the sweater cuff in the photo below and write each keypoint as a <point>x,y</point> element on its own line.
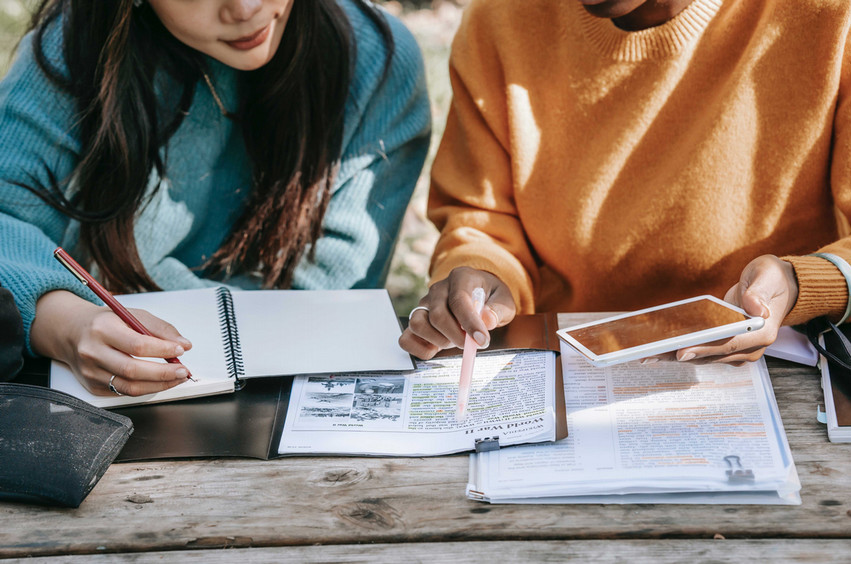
<point>822,290</point>
<point>506,268</point>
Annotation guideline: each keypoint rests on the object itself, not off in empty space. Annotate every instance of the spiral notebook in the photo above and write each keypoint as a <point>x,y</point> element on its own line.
<point>237,335</point>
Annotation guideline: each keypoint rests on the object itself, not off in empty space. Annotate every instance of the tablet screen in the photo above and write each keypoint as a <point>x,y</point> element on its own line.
<point>658,325</point>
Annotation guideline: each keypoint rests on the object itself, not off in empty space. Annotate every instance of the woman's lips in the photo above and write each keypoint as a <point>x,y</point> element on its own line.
<point>251,41</point>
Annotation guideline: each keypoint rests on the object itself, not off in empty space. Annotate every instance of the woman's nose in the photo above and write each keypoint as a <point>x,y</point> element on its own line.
<point>241,10</point>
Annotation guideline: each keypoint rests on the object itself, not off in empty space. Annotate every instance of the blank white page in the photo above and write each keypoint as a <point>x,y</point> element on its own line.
<point>284,332</point>
<point>195,314</point>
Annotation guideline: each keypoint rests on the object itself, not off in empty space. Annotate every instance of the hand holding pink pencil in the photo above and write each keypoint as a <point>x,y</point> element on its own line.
<point>468,360</point>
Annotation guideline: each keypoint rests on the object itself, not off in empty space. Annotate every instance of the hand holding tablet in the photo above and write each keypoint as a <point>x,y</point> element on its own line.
<point>658,330</point>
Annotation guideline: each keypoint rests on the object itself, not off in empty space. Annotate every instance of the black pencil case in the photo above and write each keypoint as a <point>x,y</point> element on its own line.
<point>54,447</point>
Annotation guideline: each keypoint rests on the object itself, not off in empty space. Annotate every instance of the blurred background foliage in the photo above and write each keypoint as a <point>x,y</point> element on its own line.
<point>433,23</point>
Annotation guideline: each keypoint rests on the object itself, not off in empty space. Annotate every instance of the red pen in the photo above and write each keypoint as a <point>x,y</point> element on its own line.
<point>101,292</point>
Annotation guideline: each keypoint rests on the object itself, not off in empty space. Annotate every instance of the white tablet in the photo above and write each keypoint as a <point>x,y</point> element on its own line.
<point>658,330</point>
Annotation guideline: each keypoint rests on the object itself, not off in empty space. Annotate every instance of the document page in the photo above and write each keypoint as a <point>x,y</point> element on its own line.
<point>661,427</point>
<point>512,399</point>
<point>288,332</point>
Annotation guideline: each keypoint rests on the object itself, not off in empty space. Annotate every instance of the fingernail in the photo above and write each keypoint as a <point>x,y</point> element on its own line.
<point>182,373</point>
<point>495,314</point>
<point>649,360</point>
<point>479,337</point>
<point>178,350</point>
<point>186,342</point>
<point>686,357</point>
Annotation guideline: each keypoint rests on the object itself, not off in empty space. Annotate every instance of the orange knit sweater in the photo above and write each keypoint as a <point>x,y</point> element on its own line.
<point>594,169</point>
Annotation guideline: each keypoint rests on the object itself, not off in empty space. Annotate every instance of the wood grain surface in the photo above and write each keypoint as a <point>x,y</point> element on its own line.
<point>408,505</point>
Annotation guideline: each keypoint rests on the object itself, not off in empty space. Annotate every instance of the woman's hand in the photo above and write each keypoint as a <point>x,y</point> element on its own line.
<point>97,344</point>
<point>447,313</point>
<point>767,288</point>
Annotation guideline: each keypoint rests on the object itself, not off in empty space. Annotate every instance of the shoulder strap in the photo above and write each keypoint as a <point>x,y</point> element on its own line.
<point>839,354</point>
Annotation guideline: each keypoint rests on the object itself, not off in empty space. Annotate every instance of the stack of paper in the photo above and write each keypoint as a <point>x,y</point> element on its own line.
<point>666,432</point>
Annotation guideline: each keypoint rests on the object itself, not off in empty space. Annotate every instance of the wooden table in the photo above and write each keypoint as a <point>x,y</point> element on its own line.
<point>414,510</point>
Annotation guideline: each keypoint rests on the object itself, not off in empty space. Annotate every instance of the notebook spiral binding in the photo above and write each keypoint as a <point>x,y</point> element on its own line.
<point>230,337</point>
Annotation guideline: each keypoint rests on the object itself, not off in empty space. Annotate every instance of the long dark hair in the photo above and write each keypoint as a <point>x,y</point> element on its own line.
<point>112,51</point>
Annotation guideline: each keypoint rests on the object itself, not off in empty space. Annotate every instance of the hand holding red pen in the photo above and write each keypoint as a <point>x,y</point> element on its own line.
<point>101,348</point>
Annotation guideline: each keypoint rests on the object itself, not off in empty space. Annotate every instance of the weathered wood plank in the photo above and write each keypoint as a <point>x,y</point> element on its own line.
<point>200,504</point>
<point>634,552</point>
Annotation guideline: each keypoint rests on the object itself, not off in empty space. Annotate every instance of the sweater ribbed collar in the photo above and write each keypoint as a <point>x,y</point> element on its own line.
<point>651,43</point>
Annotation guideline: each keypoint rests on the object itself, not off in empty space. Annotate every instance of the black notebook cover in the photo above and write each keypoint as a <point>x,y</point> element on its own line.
<point>249,423</point>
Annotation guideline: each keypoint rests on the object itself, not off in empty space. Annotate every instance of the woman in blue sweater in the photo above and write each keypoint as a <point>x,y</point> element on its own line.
<point>172,144</point>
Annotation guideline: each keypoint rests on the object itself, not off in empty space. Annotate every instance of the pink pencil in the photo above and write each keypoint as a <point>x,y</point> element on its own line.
<point>468,361</point>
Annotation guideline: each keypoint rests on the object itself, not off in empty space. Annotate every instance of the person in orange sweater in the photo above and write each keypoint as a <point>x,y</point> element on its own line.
<point>609,155</point>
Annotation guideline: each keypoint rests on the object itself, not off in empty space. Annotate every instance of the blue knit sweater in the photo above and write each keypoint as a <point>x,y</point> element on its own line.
<point>208,175</point>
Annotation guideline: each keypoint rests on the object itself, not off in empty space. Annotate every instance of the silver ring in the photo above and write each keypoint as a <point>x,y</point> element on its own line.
<point>112,387</point>
<point>424,308</point>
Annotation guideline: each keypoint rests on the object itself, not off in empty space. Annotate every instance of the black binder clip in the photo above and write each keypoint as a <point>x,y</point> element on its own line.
<point>737,473</point>
<point>487,443</point>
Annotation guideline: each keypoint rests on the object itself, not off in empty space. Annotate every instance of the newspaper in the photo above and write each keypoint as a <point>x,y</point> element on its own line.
<point>511,402</point>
